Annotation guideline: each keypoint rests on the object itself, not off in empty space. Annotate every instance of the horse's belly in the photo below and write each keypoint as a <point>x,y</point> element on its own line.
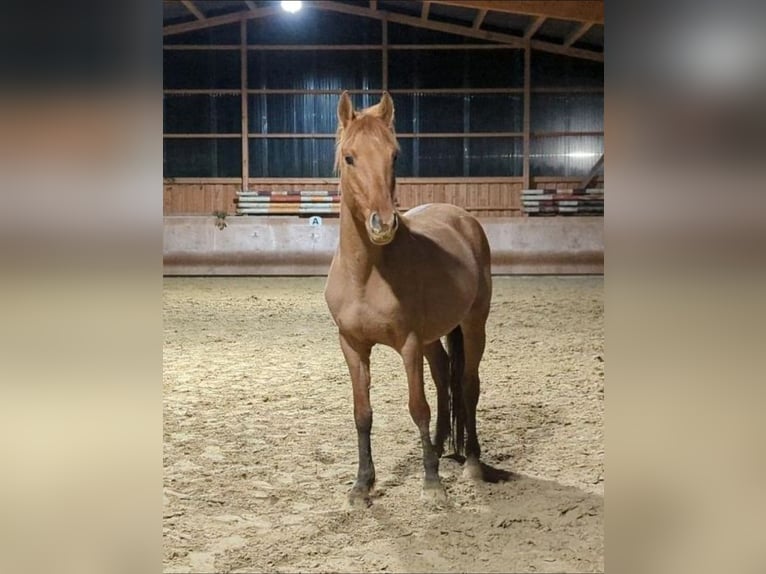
<point>441,318</point>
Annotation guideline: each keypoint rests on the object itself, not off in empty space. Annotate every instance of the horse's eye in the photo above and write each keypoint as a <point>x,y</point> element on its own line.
<point>349,159</point>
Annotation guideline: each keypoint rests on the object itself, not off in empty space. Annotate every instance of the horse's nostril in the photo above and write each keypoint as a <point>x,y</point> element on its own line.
<point>375,222</point>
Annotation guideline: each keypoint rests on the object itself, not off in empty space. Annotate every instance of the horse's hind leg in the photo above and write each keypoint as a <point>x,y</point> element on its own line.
<point>438,362</point>
<point>412,354</point>
<point>474,338</point>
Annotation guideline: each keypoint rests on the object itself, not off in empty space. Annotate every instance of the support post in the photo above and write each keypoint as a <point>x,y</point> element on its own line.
<point>527,112</point>
<point>384,26</point>
<point>245,116</point>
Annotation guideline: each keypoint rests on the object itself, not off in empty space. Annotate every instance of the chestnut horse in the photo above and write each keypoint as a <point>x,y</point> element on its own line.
<point>405,281</point>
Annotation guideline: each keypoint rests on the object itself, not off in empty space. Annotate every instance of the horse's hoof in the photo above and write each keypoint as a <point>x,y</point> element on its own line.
<point>472,469</point>
<point>433,492</point>
<point>359,498</point>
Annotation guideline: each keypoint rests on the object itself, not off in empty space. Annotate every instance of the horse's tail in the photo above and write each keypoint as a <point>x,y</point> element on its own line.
<point>456,368</point>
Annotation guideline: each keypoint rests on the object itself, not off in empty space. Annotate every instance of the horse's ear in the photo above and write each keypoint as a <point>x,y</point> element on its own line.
<point>386,109</point>
<point>345,110</point>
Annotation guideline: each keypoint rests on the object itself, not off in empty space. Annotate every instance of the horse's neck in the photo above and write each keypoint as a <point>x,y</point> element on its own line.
<point>358,254</point>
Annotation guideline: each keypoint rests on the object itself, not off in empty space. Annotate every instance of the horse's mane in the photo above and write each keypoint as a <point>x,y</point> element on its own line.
<point>365,124</point>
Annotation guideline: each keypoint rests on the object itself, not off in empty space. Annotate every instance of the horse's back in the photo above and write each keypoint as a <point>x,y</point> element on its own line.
<point>442,222</point>
<point>424,216</point>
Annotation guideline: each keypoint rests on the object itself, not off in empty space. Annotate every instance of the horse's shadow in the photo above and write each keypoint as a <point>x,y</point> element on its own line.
<point>488,473</point>
<point>527,524</point>
<point>412,464</point>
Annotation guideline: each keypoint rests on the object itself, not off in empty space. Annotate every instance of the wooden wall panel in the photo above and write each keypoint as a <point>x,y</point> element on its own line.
<point>492,197</point>
<point>488,198</point>
<point>198,198</point>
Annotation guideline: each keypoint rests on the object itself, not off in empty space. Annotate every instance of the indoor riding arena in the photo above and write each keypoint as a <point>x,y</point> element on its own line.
<point>496,107</point>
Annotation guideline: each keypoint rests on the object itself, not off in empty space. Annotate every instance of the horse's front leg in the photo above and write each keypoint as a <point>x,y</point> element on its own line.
<point>358,361</point>
<point>412,353</point>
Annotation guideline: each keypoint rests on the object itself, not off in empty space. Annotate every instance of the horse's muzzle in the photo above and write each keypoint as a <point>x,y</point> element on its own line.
<point>380,232</point>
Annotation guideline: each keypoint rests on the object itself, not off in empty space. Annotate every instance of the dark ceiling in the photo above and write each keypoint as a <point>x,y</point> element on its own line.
<point>580,34</point>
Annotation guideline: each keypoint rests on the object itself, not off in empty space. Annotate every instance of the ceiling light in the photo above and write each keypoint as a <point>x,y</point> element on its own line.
<point>582,154</point>
<point>291,6</point>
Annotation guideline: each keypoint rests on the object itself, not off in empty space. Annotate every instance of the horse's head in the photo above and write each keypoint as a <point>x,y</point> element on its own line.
<point>365,154</point>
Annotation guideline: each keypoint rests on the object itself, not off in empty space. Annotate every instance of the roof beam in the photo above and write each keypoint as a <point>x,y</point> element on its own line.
<point>534,27</point>
<point>193,9</point>
<point>516,41</point>
<point>424,10</point>
<point>219,20</point>
<point>580,11</point>
<point>578,33</point>
<point>479,19</point>
<point>251,4</point>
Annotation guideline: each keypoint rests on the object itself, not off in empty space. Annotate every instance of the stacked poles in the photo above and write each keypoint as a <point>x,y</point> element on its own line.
<point>549,202</point>
<point>305,203</point>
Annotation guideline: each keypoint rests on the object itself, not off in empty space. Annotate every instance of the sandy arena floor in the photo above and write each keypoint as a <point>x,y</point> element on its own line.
<point>260,444</point>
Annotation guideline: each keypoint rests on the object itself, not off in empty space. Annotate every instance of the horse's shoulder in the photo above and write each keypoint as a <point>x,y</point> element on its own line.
<point>333,290</point>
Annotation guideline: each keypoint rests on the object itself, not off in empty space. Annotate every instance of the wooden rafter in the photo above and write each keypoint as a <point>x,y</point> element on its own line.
<point>479,19</point>
<point>421,22</point>
<point>373,4</point>
<point>534,27</point>
<point>593,173</point>
<point>580,11</point>
<point>425,91</point>
<point>251,4</point>
<point>193,9</point>
<point>219,20</point>
<point>516,41</point>
<point>578,33</point>
<point>424,10</point>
